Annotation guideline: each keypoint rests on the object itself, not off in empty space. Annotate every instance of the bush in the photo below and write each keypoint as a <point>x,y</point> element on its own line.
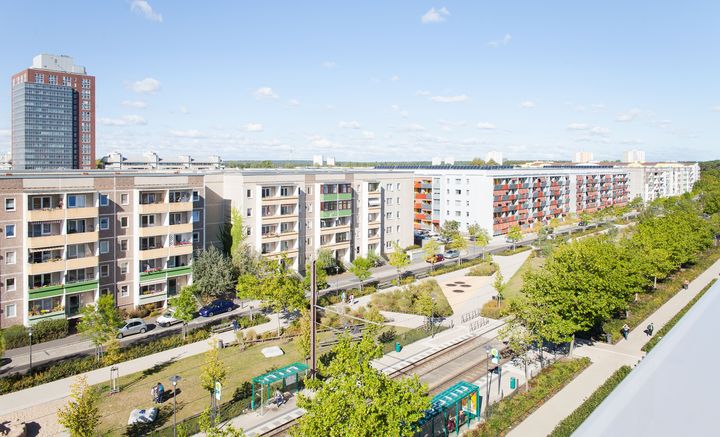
<point>15,336</point>
<point>508,252</point>
<point>568,425</point>
<point>407,299</point>
<point>387,336</point>
<point>412,247</point>
<point>516,407</point>
<point>491,309</point>
<point>484,269</point>
<point>47,330</point>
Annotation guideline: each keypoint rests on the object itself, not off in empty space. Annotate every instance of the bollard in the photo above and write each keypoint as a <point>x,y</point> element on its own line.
<point>513,383</point>
<point>398,346</point>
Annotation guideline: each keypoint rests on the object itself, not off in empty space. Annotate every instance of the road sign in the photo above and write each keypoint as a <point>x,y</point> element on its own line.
<point>218,390</point>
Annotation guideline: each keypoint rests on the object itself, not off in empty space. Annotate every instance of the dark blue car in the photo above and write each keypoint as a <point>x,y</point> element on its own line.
<point>216,307</point>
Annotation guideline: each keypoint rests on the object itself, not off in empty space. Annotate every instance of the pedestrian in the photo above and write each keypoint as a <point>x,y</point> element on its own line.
<point>352,298</point>
<point>625,331</point>
<point>686,284</point>
<point>235,325</point>
<point>160,392</point>
<point>343,297</point>
<point>154,393</point>
<point>650,329</point>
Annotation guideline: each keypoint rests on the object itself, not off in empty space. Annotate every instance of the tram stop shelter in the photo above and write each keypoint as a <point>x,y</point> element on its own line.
<point>450,410</point>
<point>288,375</point>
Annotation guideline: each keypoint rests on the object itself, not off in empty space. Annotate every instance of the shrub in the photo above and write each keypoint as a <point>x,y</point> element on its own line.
<point>484,269</point>
<point>508,252</point>
<point>47,330</point>
<point>387,336</point>
<point>407,299</point>
<point>15,336</point>
<point>492,311</point>
<point>250,335</point>
<point>513,409</point>
<point>412,247</point>
<point>568,425</point>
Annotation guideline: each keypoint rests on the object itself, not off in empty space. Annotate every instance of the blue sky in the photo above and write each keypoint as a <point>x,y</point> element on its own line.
<point>385,80</point>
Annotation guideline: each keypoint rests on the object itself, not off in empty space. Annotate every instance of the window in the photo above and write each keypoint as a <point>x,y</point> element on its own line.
<point>123,199</point>
<point>123,222</point>
<point>196,196</point>
<point>196,236</point>
<point>123,268</point>
<point>86,83</point>
<point>10,231</point>
<point>249,212</point>
<point>86,105</point>
<point>389,201</point>
<point>397,186</point>
<point>123,291</point>
<point>104,271</point>
<point>286,191</point>
<point>388,230</point>
<point>9,284</point>
<point>266,192</point>
<point>104,291</point>
<point>196,216</point>
<point>397,201</point>
<point>388,187</point>
<point>397,214</point>
<point>458,192</point>
<point>10,204</point>
<point>9,257</point>
<point>458,181</point>
<point>249,194</point>
<point>104,246</point>
<point>123,245</point>
<point>388,215</point>
<point>104,223</point>
<point>76,201</point>
<point>458,213</point>
<point>10,310</point>
<point>39,78</point>
<point>397,229</point>
<point>467,192</point>
<point>67,81</point>
<point>104,200</point>
<point>308,190</point>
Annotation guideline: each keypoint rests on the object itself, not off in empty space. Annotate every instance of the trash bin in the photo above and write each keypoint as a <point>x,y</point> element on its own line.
<point>220,343</point>
<point>513,383</point>
<point>398,346</point>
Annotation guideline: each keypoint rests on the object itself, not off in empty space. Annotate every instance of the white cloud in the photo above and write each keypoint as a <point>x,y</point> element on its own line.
<point>184,110</point>
<point>629,115</point>
<point>597,130</point>
<point>414,127</point>
<point>485,125</point>
<point>125,120</point>
<point>715,108</point>
<point>190,133</point>
<point>435,15</point>
<point>143,8</point>
<point>368,135</point>
<point>395,78</point>
<point>293,103</point>
<point>329,64</point>
<point>139,104</point>
<point>527,104</point>
<point>422,93</point>
<point>403,113</point>
<point>349,124</point>
<point>577,126</point>
<point>505,40</point>
<point>145,86</point>
<point>450,99</point>
<point>253,127</point>
<point>265,93</point>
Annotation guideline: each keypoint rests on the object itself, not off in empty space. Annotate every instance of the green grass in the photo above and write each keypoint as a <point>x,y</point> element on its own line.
<point>649,302</point>
<point>572,422</point>
<point>671,323</point>
<point>513,409</point>
<point>407,299</point>
<point>508,252</point>
<point>514,285</point>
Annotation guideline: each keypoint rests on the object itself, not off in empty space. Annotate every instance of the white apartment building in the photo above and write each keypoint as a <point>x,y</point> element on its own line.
<point>652,181</point>
<point>152,161</point>
<point>634,156</point>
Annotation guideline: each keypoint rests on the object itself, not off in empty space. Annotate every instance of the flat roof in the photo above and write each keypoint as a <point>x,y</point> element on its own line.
<point>673,389</point>
<point>280,374</point>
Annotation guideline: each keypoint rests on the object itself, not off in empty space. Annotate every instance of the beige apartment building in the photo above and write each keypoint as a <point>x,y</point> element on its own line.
<point>296,212</point>
<point>68,237</point>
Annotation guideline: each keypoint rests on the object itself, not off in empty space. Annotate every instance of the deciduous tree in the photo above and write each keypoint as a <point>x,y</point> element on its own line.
<point>514,235</point>
<point>100,322</point>
<point>360,267</point>
<point>81,415</point>
<point>212,371</point>
<point>431,248</point>
<point>399,259</point>
<point>184,305</point>
<point>479,236</point>
<point>213,274</point>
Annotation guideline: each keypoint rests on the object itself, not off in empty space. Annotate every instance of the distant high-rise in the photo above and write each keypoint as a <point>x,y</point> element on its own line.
<point>53,115</point>
<point>495,156</point>
<point>634,156</point>
<point>583,157</point>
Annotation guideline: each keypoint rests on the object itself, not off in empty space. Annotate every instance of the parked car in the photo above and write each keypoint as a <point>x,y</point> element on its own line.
<point>132,326</point>
<point>167,318</point>
<point>435,258</point>
<point>147,415</point>
<point>451,254</point>
<point>582,224</point>
<point>216,307</point>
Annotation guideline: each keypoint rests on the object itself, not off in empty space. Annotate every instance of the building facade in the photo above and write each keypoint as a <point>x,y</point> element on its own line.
<point>651,181</point>
<point>53,116</point>
<point>151,161</point>
<point>69,237</point>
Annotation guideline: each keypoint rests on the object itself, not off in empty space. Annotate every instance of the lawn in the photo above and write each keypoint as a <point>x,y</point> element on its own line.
<point>512,290</point>
<point>192,399</point>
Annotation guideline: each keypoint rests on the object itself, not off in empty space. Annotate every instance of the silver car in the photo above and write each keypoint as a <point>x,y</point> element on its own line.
<point>132,326</point>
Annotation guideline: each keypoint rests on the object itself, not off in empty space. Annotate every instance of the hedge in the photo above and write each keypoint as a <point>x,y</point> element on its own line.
<point>485,269</point>
<point>519,249</point>
<point>45,330</point>
<point>669,325</point>
<point>569,424</point>
<point>447,268</point>
<point>512,410</point>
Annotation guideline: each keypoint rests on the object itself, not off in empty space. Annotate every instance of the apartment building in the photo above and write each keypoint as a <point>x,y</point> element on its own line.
<point>651,181</point>
<point>294,213</point>
<point>497,198</point>
<point>152,161</point>
<point>68,237</point>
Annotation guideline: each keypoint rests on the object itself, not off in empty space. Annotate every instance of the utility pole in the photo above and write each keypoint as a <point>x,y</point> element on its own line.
<point>313,318</point>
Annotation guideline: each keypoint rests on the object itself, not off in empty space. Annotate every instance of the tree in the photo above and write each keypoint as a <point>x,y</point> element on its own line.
<point>360,267</point>
<point>213,274</point>
<point>320,277</point>
<point>398,258</point>
<point>478,161</point>
<point>303,340</point>
<point>237,231</point>
<point>514,235</point>
<point>185,306</point>
<point>81,415</point>
<point>479,236</point>
<point>325,260</point>
<point>275,285</point>
<point>214,370</point>
<point>520,342</point>
<point>449,229</point>
<point>499,286</point>
<point>457,242</point>
<point>357,400</point>
<point>431,248</point>
<point>100,322</point>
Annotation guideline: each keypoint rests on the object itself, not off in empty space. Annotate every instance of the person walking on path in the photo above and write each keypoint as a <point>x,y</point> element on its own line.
<point>649,330</point>
<point>235,325</point>
<point>343,297</point>
<point>160,393</point>
<point>625,331</point>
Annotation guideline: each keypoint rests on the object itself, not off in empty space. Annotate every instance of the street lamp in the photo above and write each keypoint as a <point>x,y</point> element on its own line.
<point>487,384</point>
<point>30,335</point>
<point>174,379</point>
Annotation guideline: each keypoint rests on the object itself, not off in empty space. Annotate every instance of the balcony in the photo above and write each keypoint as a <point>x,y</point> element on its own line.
<point>180,206</point>
<point>54,265</point>
<point>80,287</point>
<point>48,214</point>
<point>46,291</point>
<point>160,252</point>
<point>46,241</point>
<point>157,296</point>
<point>149,231</point>
<point>84,212</point>
<point>52,315</point>
<point>180,249</point>
<point>336,213</point>
<point>82,237</point>
<point>155,208</point>
<point>81,263</point>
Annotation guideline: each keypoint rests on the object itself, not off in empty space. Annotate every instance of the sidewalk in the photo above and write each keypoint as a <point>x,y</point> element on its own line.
<point>606,359</point>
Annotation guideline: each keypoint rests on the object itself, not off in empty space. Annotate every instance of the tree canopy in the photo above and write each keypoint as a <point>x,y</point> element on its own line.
<point>213,274</point>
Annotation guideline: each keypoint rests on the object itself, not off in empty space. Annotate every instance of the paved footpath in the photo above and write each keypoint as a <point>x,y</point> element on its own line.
<point>606,359</point>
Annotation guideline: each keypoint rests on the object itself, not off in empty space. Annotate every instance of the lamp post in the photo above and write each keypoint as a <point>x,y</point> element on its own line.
<point>30,335</point>
<point>174,379</point>
<point>487,384</point>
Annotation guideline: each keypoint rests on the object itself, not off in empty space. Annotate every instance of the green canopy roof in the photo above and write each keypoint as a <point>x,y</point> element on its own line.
<point>449,397</point>
<point>280,374</point>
